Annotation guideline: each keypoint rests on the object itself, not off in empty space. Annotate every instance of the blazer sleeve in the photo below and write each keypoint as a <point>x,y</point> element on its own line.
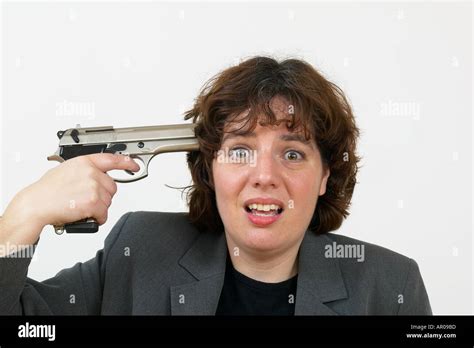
<point>415,299</point>
<point>73,291</point>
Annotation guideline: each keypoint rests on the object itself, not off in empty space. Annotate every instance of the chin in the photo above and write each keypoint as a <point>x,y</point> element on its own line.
<point>261,239</point>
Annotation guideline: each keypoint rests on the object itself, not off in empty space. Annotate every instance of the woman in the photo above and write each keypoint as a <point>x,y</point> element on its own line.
<point>274,175</point>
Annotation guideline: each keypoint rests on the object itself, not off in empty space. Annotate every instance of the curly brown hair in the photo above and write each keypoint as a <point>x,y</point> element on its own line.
<point>321,111</point>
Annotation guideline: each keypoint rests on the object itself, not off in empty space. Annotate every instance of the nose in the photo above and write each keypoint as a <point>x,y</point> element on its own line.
<point>264,173</point>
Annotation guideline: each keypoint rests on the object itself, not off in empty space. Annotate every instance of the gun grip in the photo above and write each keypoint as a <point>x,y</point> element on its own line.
<point>82,226</point>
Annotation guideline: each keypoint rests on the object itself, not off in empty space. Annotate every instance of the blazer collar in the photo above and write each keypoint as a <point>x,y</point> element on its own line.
<point>319,278</point>
<point>205,261</point>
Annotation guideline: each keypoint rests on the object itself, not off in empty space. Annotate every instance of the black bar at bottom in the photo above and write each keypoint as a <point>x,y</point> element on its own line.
<point>407,330</point>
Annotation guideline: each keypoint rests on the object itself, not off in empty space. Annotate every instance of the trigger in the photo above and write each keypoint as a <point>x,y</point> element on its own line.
<point>129,172</point>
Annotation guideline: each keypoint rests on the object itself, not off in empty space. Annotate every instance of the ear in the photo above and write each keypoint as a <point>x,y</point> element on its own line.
<point>324,181</point>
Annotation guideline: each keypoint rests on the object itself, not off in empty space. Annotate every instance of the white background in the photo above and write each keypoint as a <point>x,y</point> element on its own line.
<point>406,68</point>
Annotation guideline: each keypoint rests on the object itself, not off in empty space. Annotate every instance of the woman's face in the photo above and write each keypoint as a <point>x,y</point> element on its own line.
<point>269,169</point>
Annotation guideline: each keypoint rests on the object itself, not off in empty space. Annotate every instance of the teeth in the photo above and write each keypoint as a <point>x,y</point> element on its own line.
<point>263,207</point>
<point>266,214</point>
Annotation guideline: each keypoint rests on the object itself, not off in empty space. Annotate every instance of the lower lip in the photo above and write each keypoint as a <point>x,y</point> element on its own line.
<point>262,220</point>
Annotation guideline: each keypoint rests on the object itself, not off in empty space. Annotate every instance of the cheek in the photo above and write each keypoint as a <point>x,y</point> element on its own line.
<point>303,189</point>
<point>228,186</point>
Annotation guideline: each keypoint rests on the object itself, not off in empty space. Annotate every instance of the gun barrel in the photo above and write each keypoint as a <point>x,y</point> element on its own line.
<point>99,135</point>
<point>133,141</point>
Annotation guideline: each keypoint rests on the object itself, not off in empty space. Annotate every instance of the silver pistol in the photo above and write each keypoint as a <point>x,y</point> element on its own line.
<point>141,143</point>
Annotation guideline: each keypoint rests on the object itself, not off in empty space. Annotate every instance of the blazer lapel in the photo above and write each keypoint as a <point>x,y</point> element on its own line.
<point>319,278</point>
<point>206,262</point>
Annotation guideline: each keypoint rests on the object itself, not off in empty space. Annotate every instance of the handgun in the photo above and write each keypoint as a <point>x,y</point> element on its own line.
<point>141,143</point>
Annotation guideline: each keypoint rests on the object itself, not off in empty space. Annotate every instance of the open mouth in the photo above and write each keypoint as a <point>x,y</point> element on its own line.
<point>266,210</point>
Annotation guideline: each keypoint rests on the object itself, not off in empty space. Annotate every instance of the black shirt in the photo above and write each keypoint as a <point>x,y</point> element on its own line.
<point>242,295</point>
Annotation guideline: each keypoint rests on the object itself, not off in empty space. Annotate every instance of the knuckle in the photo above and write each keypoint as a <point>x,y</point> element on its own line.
<point>94,185</point>
<point>116,159</point>
<point>114,187</point>
<point>102,219</point>
<point>94,198</point>
<point>89,171</point>
<point>93,191</point>
<point>108,201</point>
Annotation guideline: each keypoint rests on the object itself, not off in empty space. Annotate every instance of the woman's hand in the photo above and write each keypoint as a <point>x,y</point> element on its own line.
<point>76,189</point>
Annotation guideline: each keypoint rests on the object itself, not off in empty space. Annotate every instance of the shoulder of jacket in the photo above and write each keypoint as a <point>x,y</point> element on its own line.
<point>154,230</point>
<point>372,260</point>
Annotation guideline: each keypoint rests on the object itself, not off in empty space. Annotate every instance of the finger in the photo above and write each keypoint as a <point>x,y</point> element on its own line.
<point>105,197</point>
<point>107,161</point>
<point>100,213</point>
<point>107,182</point>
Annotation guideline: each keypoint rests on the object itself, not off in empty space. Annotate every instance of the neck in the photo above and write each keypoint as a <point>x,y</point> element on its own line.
<point>268,267</point>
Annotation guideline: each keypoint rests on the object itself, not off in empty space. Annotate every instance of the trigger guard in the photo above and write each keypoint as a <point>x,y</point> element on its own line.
<point>133,175</point>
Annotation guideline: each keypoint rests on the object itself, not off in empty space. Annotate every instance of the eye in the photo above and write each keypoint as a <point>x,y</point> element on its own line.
<point>239,153</point>
<point>293,155</point>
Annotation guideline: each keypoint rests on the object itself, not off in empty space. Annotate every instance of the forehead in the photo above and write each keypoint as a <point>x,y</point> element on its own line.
<point>250,123</point>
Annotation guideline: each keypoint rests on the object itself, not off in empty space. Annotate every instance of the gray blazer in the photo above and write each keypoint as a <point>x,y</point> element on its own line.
<point>158,263</point>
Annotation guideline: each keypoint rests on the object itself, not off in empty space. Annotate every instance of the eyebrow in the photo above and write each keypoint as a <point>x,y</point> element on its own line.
<point>285,137</point>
